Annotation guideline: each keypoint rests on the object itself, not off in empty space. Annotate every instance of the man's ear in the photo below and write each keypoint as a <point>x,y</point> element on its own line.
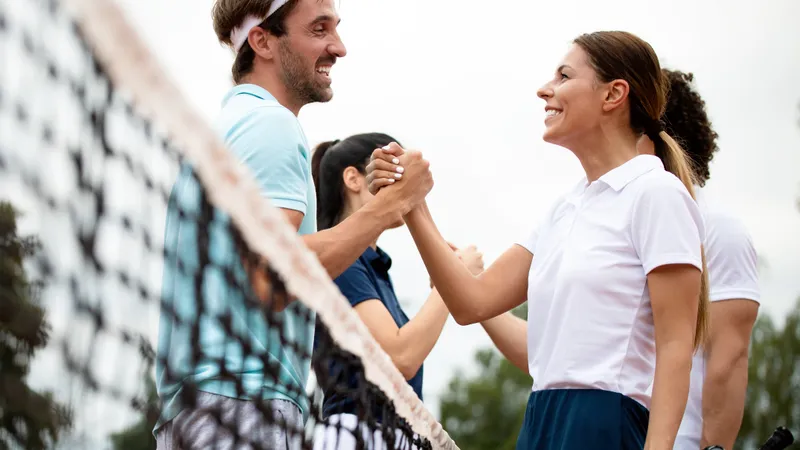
<point>352,179</point>
<point>262,42</point>
<point>616,93</point>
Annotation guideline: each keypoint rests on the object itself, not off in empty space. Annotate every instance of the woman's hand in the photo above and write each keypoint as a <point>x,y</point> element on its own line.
<point>384,168</point>
<point>471,258</point>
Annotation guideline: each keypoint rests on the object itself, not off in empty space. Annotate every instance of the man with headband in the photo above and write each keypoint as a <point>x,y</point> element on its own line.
<point>284,51</point>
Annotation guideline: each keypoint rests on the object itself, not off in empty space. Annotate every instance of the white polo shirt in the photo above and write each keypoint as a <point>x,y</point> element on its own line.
<point>732,265</point>
<point>590,322</point>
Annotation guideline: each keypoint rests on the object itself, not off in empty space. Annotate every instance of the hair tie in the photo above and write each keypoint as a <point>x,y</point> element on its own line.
<point>653,130</point>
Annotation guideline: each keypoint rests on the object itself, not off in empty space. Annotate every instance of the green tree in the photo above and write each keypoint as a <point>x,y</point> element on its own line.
<point>773,387</point>
<point>139,436</point>
<point>486,412</point>
<point>28,419</point>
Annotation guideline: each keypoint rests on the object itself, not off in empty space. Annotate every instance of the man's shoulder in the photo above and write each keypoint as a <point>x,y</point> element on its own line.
<point>247,116</point>
<point>726,233</point>
<point>724,228</point>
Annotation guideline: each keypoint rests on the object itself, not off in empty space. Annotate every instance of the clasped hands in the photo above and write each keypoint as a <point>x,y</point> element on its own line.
<point>392,168</point>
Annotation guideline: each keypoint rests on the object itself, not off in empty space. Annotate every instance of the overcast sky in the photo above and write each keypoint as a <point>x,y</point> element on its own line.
<point>457,79</point>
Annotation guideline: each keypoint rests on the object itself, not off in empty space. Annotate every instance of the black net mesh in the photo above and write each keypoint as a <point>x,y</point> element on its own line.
<point>132,248</point>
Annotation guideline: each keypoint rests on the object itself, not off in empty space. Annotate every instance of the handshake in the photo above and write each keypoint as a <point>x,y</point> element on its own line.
<point>400,179</point>
<point>404,178</point>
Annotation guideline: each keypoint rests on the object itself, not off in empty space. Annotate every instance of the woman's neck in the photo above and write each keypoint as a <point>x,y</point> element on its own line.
<point>604,151</point>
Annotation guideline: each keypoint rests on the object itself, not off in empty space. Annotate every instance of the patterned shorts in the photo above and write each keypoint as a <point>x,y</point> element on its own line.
<point>242,427</point>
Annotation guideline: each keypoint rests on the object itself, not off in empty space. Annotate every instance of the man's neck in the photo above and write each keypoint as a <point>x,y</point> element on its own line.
<point>276,88</point>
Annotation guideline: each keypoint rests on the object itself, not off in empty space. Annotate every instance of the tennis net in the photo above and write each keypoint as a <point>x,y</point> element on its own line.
<point>93,135</point>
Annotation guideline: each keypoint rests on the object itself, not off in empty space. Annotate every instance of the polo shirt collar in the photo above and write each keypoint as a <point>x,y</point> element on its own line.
<point>248,89</point>
<point>619,177</point>
<point>378,259</point>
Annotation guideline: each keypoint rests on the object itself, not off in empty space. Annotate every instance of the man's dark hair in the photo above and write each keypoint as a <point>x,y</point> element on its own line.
<point>686,120</point>
<point>228,14</point>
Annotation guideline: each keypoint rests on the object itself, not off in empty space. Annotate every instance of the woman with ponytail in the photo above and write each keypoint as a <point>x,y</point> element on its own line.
<point>338,169</point>
<point>614,273</point>
<point>718,385</point>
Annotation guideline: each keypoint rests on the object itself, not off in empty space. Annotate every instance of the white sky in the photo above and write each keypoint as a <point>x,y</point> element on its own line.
<point>458,80</point>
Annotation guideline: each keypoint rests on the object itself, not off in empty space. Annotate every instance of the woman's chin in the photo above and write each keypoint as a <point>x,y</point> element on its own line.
<point>550,136</point>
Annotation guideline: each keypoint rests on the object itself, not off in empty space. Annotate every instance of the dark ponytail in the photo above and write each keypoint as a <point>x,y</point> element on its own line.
<point>329,161</point>
<point>316,160</point>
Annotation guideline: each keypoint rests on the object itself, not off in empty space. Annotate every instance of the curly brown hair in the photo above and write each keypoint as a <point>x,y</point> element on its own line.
<point>686,120</point>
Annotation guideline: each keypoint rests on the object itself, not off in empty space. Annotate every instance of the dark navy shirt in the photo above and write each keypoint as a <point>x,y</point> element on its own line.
<point>367,279</point>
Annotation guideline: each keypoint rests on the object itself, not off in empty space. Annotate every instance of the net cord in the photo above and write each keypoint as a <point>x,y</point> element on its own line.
<point>135,71</point>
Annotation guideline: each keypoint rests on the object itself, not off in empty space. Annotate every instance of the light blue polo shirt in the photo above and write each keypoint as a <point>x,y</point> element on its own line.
<point>268,139</point>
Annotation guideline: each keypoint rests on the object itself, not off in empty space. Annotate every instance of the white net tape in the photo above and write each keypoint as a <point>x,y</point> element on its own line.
<point>131,66</point>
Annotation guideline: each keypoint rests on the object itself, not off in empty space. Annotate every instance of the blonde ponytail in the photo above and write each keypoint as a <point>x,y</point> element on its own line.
<point>677,162</point>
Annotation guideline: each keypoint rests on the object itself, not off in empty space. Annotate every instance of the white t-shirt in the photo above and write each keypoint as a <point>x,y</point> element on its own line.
<point>590,322</point>
<point>732,265</point>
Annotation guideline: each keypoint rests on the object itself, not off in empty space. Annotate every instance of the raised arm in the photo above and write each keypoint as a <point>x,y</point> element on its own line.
<point>338,247</point>
<point>409,345</point>
<point>470,299</point>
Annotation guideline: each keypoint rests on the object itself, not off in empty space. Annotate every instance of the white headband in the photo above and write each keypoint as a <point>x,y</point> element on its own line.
<point>239,34</point>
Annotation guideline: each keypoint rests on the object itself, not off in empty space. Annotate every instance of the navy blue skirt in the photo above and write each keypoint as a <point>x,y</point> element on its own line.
<point>583,419</point>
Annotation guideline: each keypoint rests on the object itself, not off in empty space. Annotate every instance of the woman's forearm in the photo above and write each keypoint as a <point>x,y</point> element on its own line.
<point>670,393</point>
<point>460,289</point>
<point>417,338</point>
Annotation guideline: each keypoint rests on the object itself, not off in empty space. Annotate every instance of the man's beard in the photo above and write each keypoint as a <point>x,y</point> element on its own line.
<point>300,82</point>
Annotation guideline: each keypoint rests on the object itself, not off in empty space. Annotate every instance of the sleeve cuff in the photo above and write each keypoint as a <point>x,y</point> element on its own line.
<point>665,260</point>
<point>289,203</point>
<point>525,246</point>
<point>356,300</point>
<point>718,295</point>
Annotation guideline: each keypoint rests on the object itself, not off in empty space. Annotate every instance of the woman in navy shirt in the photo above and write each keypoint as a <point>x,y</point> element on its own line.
<point>338,169</point>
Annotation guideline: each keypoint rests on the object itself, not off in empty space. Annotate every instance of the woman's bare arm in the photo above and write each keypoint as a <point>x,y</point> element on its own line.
<point>470,299</point>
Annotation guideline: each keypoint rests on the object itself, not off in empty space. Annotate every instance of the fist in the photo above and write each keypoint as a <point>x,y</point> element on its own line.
<point>406,188</point>
<point>471,258</point>
<point>454,249</point>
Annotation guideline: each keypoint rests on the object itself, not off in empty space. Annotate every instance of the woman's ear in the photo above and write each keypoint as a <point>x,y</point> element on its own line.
<point>351,178</point>
<point>616,94</point>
